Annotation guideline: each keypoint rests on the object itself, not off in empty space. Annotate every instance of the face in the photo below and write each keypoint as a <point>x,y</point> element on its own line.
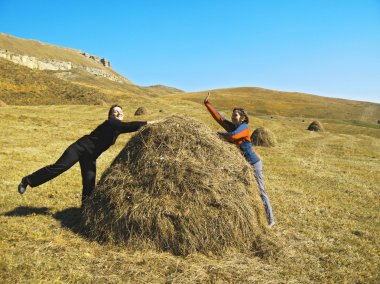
<point>236,117</point>
<point>117,113</point>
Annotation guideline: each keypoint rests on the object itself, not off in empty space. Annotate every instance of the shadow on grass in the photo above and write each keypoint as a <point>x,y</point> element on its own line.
<point>23,211</point>
<point>71,218</point>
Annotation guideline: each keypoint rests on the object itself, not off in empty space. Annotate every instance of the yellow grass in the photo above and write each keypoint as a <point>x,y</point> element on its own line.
<point>324,189</point>
<point>270,102</point>
<point>20,85</point>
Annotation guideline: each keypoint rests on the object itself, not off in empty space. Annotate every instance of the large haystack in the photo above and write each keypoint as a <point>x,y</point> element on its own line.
<point>315,126</point>
<point>263,137</point>
<point>141,111</point>
<point>177,187</point>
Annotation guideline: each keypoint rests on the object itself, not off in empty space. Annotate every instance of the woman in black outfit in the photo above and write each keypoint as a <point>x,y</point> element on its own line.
<point>85,150</point>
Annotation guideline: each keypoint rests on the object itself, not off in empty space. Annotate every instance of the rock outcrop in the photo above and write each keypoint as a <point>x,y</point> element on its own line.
<point>103,61</point>
<point>34,62</point>
<point>56,65</point>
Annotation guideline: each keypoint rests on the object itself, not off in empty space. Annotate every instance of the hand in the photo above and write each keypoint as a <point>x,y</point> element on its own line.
<point>206,99</point>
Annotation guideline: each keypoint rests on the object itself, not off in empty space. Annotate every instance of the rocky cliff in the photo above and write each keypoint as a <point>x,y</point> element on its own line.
<point>57,65</point>
<point>97,59</point>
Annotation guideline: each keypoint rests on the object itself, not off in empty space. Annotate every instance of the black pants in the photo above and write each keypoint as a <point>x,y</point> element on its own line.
<point>71,156</point>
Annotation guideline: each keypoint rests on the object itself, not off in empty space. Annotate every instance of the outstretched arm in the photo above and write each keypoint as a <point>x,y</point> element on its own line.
<point>126,127</point>
<point>227,125</point>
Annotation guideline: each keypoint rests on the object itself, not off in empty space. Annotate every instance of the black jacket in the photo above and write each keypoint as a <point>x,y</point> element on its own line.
<point>106,134</point>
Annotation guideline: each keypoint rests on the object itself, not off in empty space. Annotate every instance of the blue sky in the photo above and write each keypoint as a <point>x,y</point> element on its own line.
<point>323,47</point>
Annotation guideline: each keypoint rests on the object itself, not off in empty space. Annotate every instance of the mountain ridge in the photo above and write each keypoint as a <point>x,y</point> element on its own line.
<point>43,56</point>
<point>82,70</point>
<point>292,104</point>
<point>73,66</point>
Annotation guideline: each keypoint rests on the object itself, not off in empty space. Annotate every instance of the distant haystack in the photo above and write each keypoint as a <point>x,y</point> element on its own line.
<point>263,137</point>
<point>316,126</point>
<point>141,111</point>
<point>177,187</point>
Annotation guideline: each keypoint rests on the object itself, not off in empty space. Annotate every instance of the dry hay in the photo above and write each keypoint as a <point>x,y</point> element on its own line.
<point>177,187</point>
<point>315,126</point>
<point>263,137</point>
<point>141,111</point>
<point>3,104</point>
<point>101,103</point>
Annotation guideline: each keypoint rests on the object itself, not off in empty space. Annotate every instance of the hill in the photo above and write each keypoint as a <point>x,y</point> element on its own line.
<point>72,76</point>
<point>45,56</point>
<point>162,90</point>
<point>292,104</point>
<point>20,85</point>
<point>71,65</point>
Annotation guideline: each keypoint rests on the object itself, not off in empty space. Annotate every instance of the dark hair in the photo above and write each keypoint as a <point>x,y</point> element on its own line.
<point>243,113</point>
<point>111,110</point>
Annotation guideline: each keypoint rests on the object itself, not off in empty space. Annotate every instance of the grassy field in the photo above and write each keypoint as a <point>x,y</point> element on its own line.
<point>324,189</point>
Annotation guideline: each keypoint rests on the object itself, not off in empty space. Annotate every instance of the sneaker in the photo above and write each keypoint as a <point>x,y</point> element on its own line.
<point>271,224</point>
<point>22,186</point>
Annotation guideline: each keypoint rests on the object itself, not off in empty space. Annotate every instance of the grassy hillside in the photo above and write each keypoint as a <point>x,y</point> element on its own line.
<point>324,189</point>
<point>46,51</point>
<point>33,82</point>
<point>111,87</point>
<point>20,85</point>
<point>163,90</point>
<point>269,102</point>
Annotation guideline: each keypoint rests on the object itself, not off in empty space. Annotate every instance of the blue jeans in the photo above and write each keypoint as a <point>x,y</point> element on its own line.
<point>254,160</point>
<point>258,167</point>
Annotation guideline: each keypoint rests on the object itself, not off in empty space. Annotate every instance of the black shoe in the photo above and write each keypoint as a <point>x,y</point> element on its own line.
<point>22,186</point>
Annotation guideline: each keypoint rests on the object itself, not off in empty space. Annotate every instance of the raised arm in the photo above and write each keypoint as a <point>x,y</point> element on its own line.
<point>227,125</point>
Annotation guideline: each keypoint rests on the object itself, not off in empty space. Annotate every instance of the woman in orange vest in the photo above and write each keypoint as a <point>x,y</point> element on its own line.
<point>238,133</point>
